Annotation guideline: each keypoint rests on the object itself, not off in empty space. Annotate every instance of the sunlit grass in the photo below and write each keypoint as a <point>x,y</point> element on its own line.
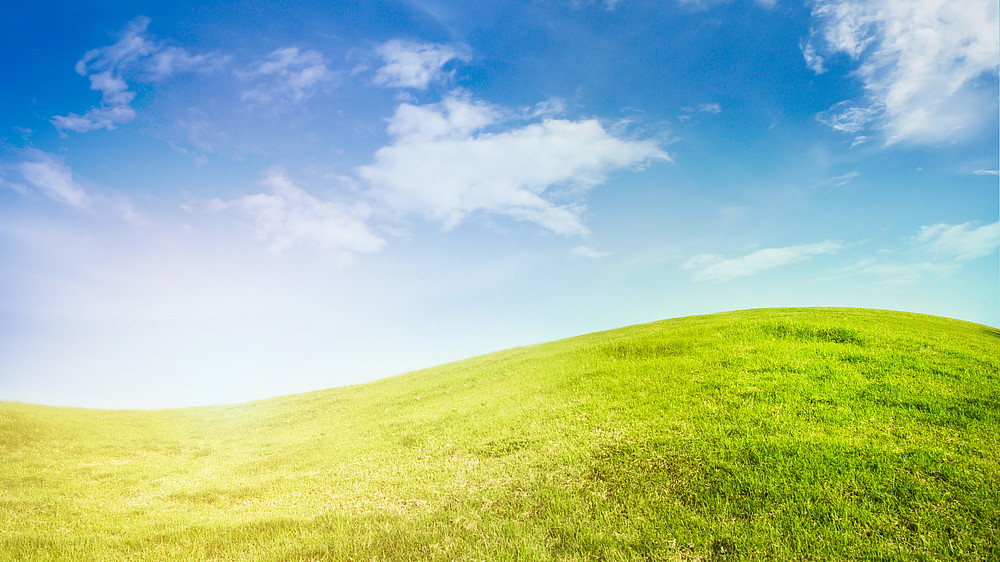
<point>782,433</point>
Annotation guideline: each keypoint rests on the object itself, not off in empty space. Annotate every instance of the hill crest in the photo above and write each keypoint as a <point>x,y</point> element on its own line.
<point>769,433</point>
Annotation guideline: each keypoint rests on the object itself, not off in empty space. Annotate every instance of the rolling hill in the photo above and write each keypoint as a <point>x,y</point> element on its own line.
<point>761,434</point>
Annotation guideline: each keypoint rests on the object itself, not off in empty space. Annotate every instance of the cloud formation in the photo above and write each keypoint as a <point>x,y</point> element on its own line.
<point>588,252</point>
<point>713,108</point>
<point>928,68</point>
<point>938,249</point>
<point>107,68</point>
<point>847,117</point>
<point>841,180</point>
<point>52,178</point>
<point>444,164</point>
<point>709,4</point>
<point>712,267</point>
<point>410,64</point>
<point>959,242</point>
<point>289,216</point>
<point>288,74</point>
<point>814,61</point>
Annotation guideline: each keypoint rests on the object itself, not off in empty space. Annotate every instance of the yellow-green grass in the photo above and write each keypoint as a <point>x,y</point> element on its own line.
<point>762,434</point>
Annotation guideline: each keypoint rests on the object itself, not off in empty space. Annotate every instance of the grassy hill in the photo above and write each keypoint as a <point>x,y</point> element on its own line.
<point>762,434</point>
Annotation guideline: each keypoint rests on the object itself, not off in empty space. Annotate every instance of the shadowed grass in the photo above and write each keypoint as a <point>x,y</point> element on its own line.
<point>764,434</point>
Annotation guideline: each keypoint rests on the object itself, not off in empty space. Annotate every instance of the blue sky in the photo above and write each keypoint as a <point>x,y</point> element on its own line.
<point>208,203</point>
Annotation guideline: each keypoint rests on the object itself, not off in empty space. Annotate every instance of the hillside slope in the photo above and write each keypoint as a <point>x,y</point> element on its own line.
<point>761,434</point>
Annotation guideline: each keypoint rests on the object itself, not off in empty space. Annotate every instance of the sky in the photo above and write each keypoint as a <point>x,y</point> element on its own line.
<point>206,203</point>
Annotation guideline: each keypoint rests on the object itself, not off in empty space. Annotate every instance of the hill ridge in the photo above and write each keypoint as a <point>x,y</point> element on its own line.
<point>829,433</point>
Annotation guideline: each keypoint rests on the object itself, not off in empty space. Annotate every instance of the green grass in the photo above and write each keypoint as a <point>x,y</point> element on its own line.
<point>764,434</point>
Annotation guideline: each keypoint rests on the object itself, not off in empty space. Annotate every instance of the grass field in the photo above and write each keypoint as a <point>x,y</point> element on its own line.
<point>763,434</point>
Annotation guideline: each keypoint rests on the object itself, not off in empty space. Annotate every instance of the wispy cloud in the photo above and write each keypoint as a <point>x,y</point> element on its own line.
<point>984,172</point>
<point>842,180</point>
<point>712,267</point>
<point>201,134</point>
<point>287,216</point>
<point>107,68</point>
<point>847,117</point>
<point>444,165</point>
<point>959,242</point>
<point>709,4</point>
<point>54,179</point>
<point>712,108</point>
<point>938,249</point>
<point>889,272</point>
<point>287,74</point>
<point>814,61</point>
<point>588,252</point>
<point>548,108</point>
<point>411,64</point>
<point>920,64</point>
<point>94,119</point>
<point>609,5</point>
<point>168,61</point>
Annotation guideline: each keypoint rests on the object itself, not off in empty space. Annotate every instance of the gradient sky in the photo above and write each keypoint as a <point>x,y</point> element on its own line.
<point>214,202</point>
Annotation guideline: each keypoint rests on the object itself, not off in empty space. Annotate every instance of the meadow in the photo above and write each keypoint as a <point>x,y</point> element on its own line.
<point>789,434</point>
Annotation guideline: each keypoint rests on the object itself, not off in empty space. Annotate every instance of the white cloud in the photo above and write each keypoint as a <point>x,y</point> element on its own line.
<point>548,108</point>
<point>712,107</point>
<point>849,118</point>
<point>108,66</point>
<point>922,65</point>
<point>201,135</point>
<point>113,89</point>
<point>959,242</point>
<point>443,165</point>
<point>55,180</point>
<point>289,216</point>
<point>173,60</point>
<point>712,267</point>
<point>709,4</point>
<point>588,252</point>
<point>288,74</point>
<point>457,117</point>
<point>96,118</point>
<point>609,5</point>
<point>938,249</point>
<point>132,46</point>
<point>984,172</point>
<point>410,64</point>
<point>893,273</point>
<point>843,180</point>
<point>813,60</point>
